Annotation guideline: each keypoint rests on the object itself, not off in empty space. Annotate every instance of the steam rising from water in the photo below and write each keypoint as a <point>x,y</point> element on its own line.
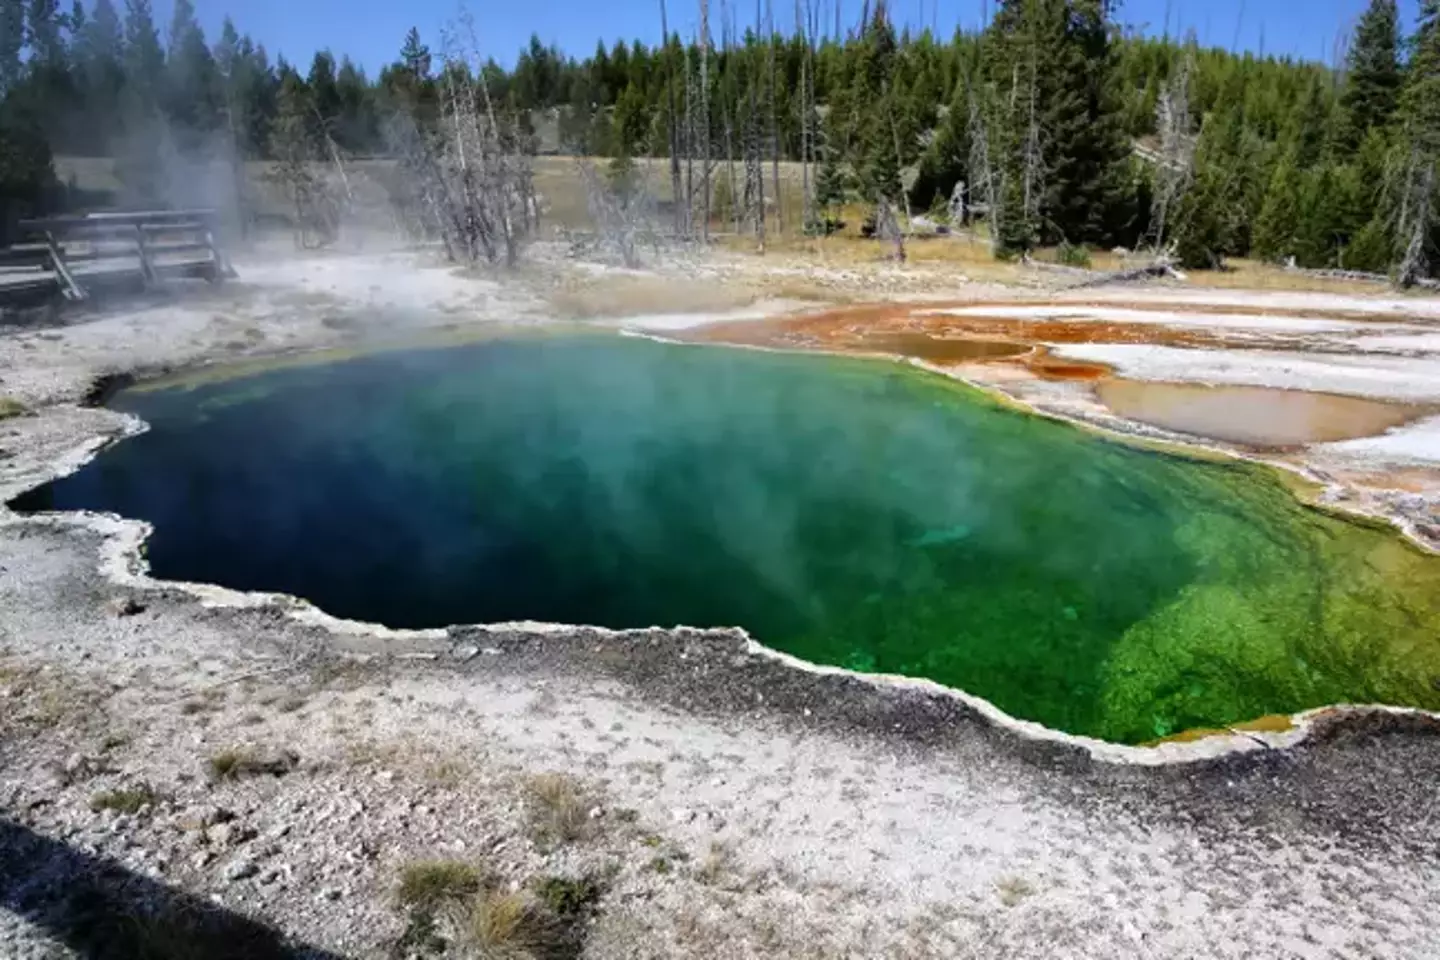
<point>850,512</point>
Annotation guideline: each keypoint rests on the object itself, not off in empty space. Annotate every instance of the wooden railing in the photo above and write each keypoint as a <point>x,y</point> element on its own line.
<point>73,255</point>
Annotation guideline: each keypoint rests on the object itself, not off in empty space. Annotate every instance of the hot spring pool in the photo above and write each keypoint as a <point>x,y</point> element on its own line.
<point>850,512</point>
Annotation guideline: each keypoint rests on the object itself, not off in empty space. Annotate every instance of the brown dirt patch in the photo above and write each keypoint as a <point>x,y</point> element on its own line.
<point>1255,416</point>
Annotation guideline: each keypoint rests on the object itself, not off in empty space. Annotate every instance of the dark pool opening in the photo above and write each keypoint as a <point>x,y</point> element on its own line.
<point>851,512</point>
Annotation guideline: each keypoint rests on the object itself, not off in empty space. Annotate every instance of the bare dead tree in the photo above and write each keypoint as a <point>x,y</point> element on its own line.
<point>690,101</point>
<point>705,117</point>
<point>623,212</point>
<point>681,227</point>
<point>1175,163</point>
<point>985,193</point>
<point>295,146</point>
<point>887,230</point>
<point>734,204</point>
<point>1033,156</point>
<point>803,26</point>
<point>1417,217</point>
<point>471,180</point>
<point>418,209</point>
<point>333,149</point>
<point>754,146</point>
<point>774,123</point>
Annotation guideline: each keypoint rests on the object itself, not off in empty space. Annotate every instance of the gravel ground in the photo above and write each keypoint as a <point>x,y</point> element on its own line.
<point>188,772</point>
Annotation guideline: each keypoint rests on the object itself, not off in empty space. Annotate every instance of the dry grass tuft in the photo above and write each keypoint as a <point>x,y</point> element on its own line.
<point>626,295</point>
<point>559,809</point>
<point>455,910</point>
<point>503,925</point>
<point>125,800</point>
<point>717,865</point>
<point>428,884</point>
<point>1012,890</point>
<point>10,407</point>
<point>235,763</point>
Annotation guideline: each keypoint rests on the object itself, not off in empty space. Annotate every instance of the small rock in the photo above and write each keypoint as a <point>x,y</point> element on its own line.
<point>202,859</point>
<point>682,815</point>
<point>465,653</point>
<point>126,607</point>
<point>228,835</point>
<point>596,813</point>
<point>210,816</point>
<point>239,869</point>
<point>331,893</point>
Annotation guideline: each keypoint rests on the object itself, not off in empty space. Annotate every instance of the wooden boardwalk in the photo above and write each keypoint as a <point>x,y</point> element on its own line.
<point>76,256</point>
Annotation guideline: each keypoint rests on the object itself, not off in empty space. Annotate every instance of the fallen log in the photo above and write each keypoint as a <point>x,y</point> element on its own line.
<point>1358,276</point>
<point>1156,268</point>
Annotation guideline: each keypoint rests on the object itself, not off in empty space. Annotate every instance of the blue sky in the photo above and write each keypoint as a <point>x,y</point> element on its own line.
<point>371,31</point>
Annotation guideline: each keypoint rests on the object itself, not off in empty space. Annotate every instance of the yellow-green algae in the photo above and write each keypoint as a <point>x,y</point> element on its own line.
<point>850,512</point>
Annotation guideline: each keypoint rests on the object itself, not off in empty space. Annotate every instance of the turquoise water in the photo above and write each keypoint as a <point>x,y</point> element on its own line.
<point>851,512</point>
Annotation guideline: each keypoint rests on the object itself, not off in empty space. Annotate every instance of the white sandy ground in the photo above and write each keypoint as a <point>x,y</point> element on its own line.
<point>1415,443</point>
<point>789,839</point>
<point>1257,323</point>
<point>1379,305</point>
<point>1406,343</point>
<point>798,814</point>
<point>660,322</point>
<point>1415,379</point>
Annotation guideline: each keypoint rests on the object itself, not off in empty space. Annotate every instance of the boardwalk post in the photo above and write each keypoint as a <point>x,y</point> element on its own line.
<point>70,289</point>
<point>147,268</point>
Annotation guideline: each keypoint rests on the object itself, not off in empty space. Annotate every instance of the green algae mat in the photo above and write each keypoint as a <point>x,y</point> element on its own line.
<point>851,512</point>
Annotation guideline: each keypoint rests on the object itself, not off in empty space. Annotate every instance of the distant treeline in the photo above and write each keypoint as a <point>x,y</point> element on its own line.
<point>1065,129</point>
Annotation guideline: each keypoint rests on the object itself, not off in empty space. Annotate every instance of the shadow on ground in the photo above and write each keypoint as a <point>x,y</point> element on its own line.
<point>103,911</point>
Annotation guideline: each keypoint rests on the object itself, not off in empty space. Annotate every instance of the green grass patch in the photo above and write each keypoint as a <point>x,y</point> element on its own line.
<point>428,884</point>
<point>127,800</point>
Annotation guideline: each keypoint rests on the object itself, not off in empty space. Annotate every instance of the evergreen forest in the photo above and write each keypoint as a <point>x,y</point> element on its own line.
<point>1064,126</point>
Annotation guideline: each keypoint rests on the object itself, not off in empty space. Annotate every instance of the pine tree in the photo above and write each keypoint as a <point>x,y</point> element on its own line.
<point>97,52</point>
<point>144,59</point>
<point>1372,73</point>
<point>830,180</point>
<point>27,176</point>
<point>44,34</point>
<point>1310,127</point>
<point>415,55</point>
<point>946,159</point>
<point>324,91</point>
<point>1212,214</point>
<point>294,147</point>
<point>49,84</point>
<point>192,95</point>
<point>873,84</point>
<point>12,41</point>
<point>1088,193</point>
<point>356,128</point>
<point>1274,234</point>
<point>1317,235</point>
<point>1011,114</point>
<point>631,121</point>
<point>1372,248</point>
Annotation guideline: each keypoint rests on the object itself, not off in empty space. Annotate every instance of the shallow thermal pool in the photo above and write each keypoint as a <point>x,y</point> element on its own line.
<point>851,512</point>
